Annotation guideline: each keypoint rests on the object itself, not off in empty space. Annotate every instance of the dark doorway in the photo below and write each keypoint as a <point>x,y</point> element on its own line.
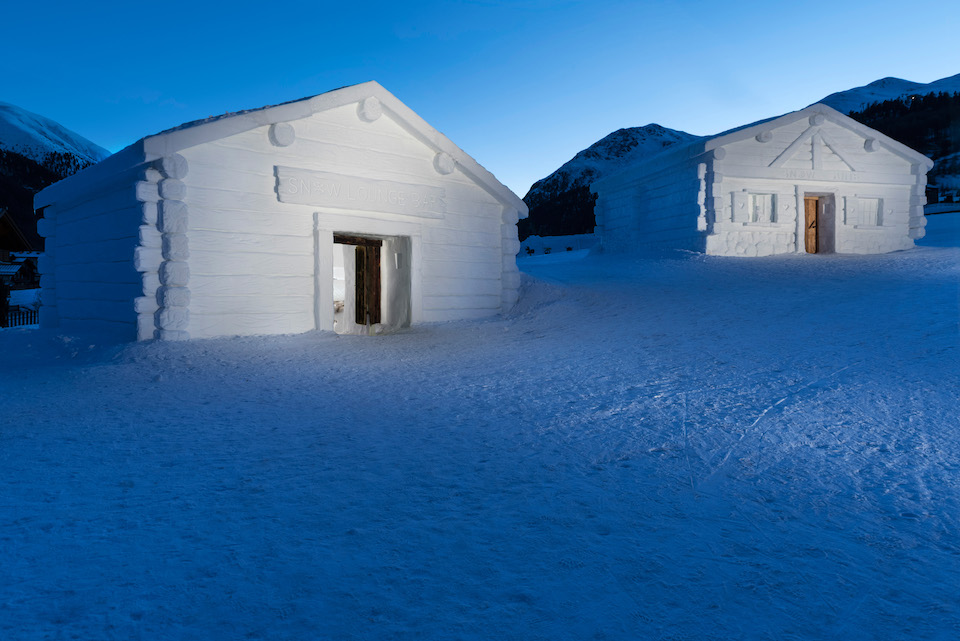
<point>367,288</point>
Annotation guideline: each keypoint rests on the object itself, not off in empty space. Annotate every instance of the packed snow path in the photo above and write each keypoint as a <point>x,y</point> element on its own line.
<point>687,448</point>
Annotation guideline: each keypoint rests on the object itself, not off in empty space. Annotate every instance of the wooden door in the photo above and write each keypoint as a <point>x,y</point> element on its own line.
<point>811,208</point>
<point>368,285</point>
<point>367,282</point>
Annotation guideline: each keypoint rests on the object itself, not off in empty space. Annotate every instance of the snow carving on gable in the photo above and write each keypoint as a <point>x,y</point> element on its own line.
<point>444,163</point>
<point>813,149</point>
<point>282,134</point>
<point>370,109</point>
<point>327,189</point>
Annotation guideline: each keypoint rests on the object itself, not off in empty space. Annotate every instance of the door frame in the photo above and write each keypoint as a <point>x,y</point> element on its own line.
<point>324,225</point>
<point>826,219</point>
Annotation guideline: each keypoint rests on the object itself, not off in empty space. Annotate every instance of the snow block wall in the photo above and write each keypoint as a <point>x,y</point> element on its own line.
<point>230,225</point>
<point>88,276</point>
<point>744,193</point>
<point>653,206</point>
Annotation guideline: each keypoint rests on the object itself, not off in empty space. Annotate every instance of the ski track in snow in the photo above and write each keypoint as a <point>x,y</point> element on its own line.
<point>668,449</point>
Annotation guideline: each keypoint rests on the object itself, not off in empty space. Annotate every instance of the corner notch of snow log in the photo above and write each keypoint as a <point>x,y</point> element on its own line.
<point>171,189</point>
<point>173,318</point>
<point>175,247</point>
<point>147,192</point>
<point>173,166</point>
<point>147,259</point>
<point>174,274</point>
<point>172,217</point>
<point>173,297</point>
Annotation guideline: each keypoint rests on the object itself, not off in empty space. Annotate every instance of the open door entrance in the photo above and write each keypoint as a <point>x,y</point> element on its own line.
<point>366,277</point>
<point>371,283</point>
<point>811,237</point>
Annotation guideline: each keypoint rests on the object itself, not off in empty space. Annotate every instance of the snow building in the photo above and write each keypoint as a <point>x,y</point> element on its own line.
<point>811,181</point>
<point>345,211</point>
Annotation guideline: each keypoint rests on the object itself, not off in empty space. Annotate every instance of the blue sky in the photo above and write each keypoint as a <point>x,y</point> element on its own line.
<point>520,86</point>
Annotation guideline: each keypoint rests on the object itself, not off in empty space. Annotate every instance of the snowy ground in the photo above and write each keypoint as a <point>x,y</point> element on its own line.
<point>688,448</point>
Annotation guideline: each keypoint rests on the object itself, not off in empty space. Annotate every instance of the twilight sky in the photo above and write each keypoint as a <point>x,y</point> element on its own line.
<point>520,86</point>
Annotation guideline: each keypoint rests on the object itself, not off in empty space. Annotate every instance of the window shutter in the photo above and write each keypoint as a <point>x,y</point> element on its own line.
<point>850,214</point>
<point>741,214</point>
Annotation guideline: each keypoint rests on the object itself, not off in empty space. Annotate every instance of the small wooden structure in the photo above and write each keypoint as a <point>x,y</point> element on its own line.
<point>810,181</point>
<point>344,211</point>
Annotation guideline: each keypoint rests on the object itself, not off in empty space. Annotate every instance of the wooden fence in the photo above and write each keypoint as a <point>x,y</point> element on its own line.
<point>19,318</point>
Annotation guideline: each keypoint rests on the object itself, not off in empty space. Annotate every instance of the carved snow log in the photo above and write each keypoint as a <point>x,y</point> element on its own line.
<point>370,109</point>
<point>150,282</point>
<point>240,304</point>
<point>216,241</point>
<point>511,247</point>
<point>209,325</point>
<point>174,274</point>
<point>444,164</point>
<point>205,262</point>
<point>151,175</point>
<point>240,285</point>
<point>47,228</point>
<point>173,318</point>
<point>149,236</point>
<point>173,217</point>
<point>171,189</point>
<point>147,259</point>
<point>147,192</point>
<point>172,166</point>
<point>148,213</point>
<point>175,247</point>
<point>282,134</point>
<point>146,327</point>
<point>145,305</point>
<point>173,296</point>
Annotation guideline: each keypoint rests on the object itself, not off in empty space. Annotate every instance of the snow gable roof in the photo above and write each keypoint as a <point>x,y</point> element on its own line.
<point>829,114</point>
<point>700,146</point>
<point>198,132</point>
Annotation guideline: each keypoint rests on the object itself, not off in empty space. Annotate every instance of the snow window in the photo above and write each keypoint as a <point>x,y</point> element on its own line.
<point>762,208</point>
<point>870,211</point>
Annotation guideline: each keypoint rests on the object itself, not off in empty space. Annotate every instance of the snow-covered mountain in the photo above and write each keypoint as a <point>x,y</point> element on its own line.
<point>887,89</point>
<point>36,151</point>
<point>561,203</point>
<point>35,137</point>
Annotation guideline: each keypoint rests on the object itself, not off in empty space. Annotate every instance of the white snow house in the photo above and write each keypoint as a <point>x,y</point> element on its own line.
<point>344,212</point>
<point>811,181</point>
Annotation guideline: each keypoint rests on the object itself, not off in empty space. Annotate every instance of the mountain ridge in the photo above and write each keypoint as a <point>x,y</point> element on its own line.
<point>35,152</point>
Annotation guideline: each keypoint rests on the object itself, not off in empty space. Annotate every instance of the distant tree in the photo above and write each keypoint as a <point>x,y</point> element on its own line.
<point>930,124</point>
<point>563,214</point>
